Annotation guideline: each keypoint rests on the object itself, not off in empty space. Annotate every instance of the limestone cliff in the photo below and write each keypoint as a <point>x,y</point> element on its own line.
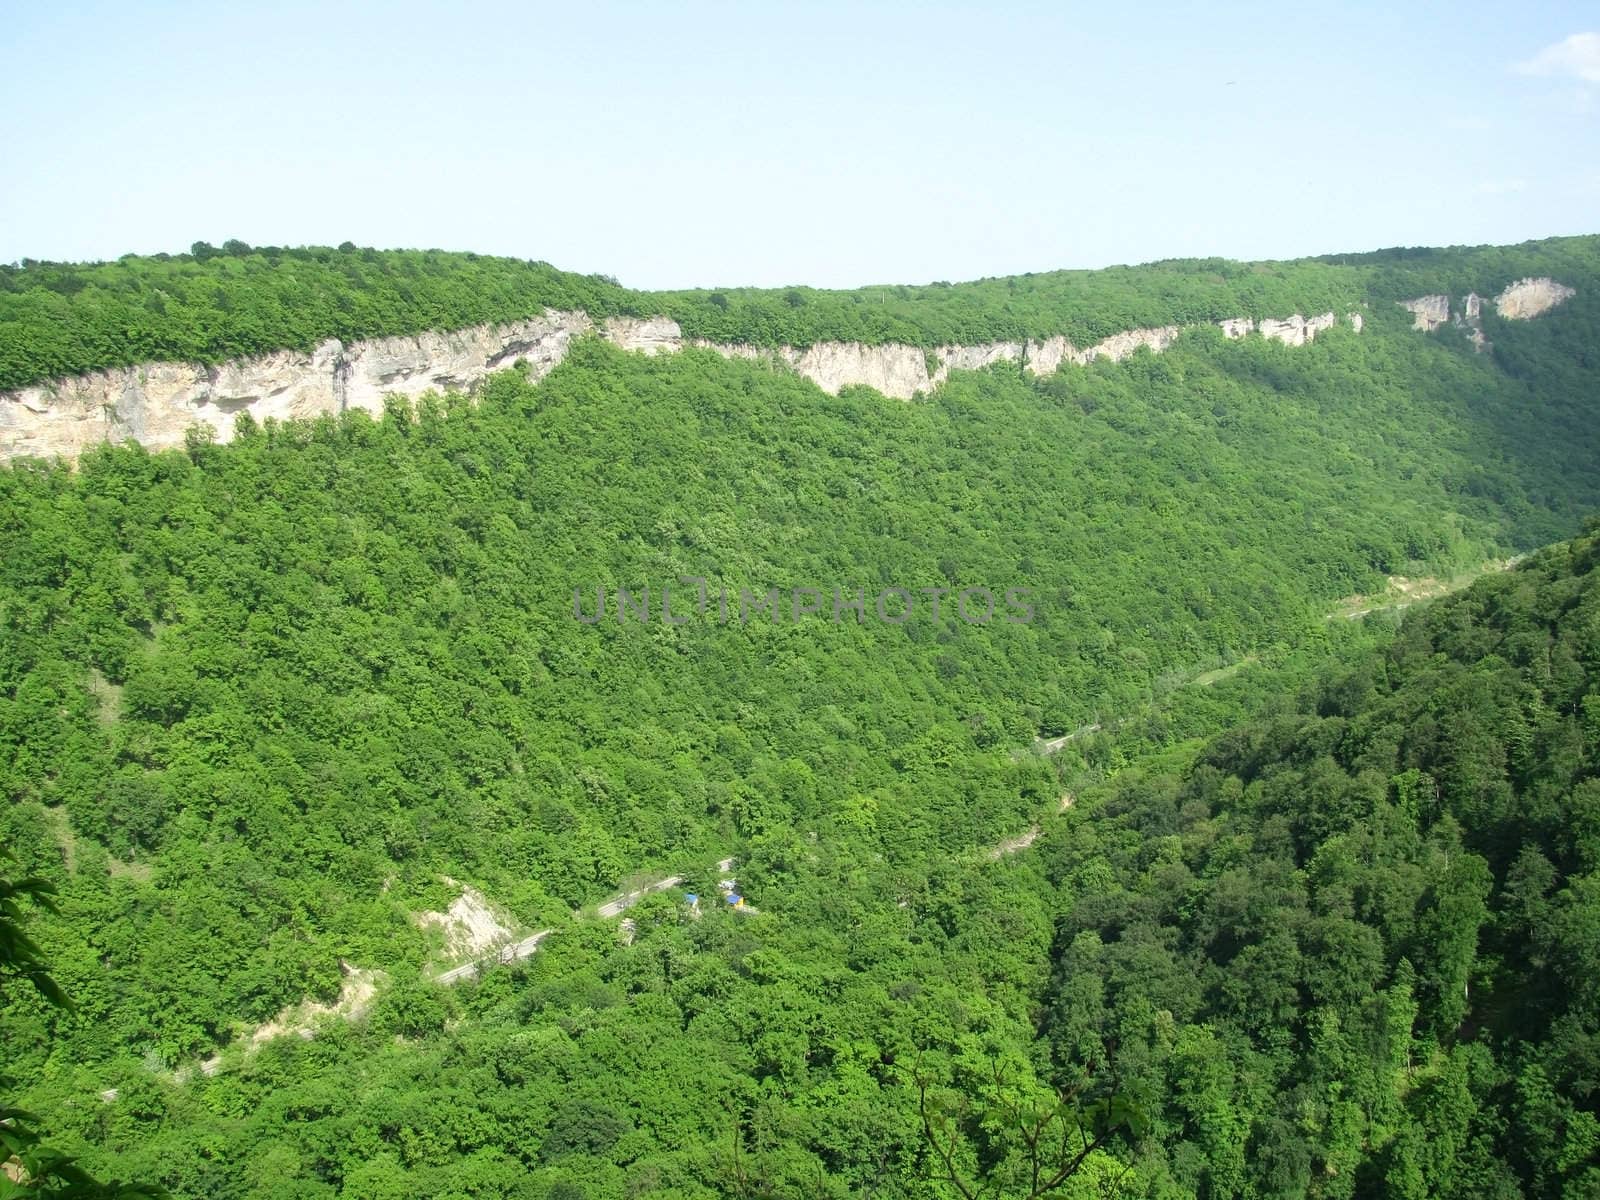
<point>1428,312</point>
<point>1530,298</point>
<point>157,403</point>
<point>1521,301</point>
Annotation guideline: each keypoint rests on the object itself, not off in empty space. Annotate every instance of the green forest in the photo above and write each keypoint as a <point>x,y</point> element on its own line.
<point>1192,886</point>
<point>213,304</point>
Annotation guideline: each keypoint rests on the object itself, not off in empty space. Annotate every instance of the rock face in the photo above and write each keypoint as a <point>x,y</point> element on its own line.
<point>1046,357</point>
<point>1522,300</point>
<point>1296,330</point>
<point>1428,312</point>
<point>651,335</point>
<point>974,358</point>
<point>1122,345</point>
<point>426,362</point>
<point>469,924</point>
<point>156,404</point>
<point>895,370</point>
<point>1470,319</point>
<point>1530,298</point>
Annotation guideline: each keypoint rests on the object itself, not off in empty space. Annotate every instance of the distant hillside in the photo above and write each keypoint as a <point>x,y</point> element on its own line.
<point>211,305</point>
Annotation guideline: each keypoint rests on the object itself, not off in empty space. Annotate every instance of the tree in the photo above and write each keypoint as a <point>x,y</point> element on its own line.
<point>33,1168</point>
<point>1021,1139</point>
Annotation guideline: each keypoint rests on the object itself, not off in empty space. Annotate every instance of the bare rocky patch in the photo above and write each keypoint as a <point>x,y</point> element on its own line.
<point>303,1019</point>
<point>470,925</point>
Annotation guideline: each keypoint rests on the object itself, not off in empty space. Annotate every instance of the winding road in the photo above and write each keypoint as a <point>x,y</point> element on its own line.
<point>1054,744</point>
<point>620,904</point>
<point>515,952</point>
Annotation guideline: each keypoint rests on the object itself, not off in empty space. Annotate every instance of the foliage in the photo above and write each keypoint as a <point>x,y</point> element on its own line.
<point>258,698</point>
<point>1350,950</point>
<point>32,1169</point>
<point>60,319</point>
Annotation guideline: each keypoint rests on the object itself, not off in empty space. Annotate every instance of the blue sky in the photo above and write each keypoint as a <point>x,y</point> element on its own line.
<point>831,144</point>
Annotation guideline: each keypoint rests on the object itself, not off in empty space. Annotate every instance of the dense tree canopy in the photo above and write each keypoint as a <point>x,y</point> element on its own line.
<point>59,319</point>
<point>1351,950</point>
<point>1287,928</point>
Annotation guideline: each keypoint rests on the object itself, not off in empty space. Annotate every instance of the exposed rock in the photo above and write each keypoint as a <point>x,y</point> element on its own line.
<point>744,350</point>
<point>1522,300</point>
<point>1046,357</point>
<point>893,369</point>
<point>1427,312</point>
<point>1296,330</point>
<point>157,403</point>
<point>301,1020</point>
<point>1530,297</point>
<point>1121,345</point>
<point>1357,321</point>
<point>652,335</point>
<point>1471,320</point>
<point>470,926</point>
<point>431,361</point>
<point>973,358</point>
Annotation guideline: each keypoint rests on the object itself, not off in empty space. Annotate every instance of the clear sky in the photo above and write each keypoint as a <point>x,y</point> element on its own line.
<point>834,144</point>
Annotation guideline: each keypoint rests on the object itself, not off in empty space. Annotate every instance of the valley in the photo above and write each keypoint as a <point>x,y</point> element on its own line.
<point>1280,805</point>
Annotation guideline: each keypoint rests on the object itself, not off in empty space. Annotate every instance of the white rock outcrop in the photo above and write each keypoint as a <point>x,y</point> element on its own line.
<point>1296,330</point>
<point>1122,345</point>
<point>1045,357</point>
<point>893,369</point>
<point>1531,298</point>
<point>650,335</point>
<point>470,925</point>
<point>446,362</point>
<point>1520,301</point>
<point>974,358</point>
<point>1428,312</point>
<point>156,404</point>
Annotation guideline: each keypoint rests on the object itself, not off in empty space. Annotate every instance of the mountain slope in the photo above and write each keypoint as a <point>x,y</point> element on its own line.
<point>58,320</point>
<point>264,706</point>
<point>1351,951</point>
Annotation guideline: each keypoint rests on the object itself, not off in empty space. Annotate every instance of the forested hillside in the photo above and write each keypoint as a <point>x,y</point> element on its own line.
<point>1352,949</point>
<point>211,305</point>
<point>263,704</point>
